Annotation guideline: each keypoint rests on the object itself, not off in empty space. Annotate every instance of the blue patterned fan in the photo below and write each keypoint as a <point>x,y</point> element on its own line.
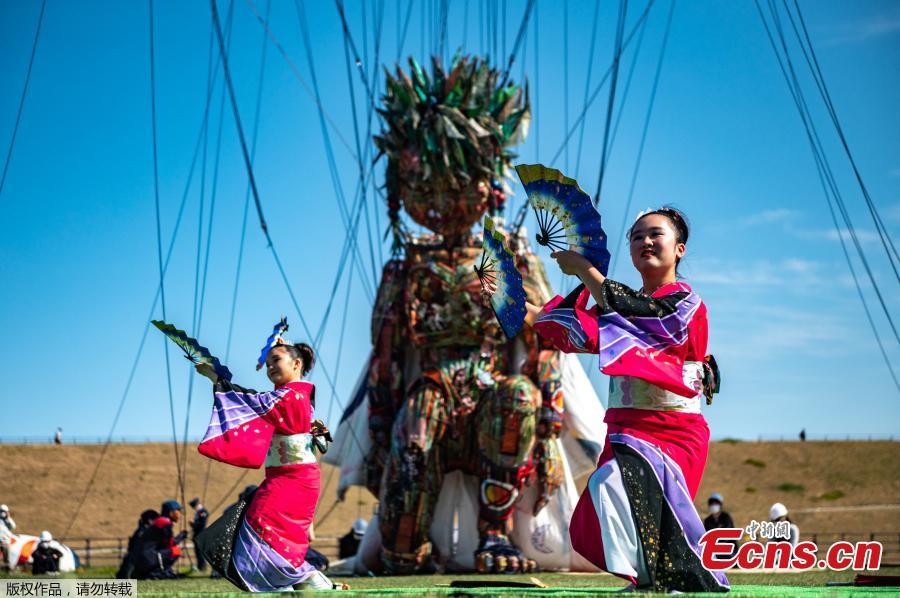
<point>497,269</point>
<point>193,350</point>
<point>566,216</point>
<point>275,338</point>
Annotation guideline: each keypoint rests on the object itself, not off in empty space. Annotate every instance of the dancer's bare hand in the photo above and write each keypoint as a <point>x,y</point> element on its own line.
<point>206,370</point>
<point>571,262</point>
<point>488,288</point>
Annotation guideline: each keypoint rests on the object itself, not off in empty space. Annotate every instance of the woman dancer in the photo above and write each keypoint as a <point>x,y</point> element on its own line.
<point>636,517</point>
<point>260,545</point>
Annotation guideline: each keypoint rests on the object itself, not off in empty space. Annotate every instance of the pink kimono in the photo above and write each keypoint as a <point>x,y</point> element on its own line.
<point>636,518</point>
<point>269,541</point>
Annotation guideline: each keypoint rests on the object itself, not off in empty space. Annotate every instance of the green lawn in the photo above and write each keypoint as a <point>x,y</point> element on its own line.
<point>559,584</point>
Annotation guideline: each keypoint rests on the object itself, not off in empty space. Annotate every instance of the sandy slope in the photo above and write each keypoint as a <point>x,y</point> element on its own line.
<point>43,485</point>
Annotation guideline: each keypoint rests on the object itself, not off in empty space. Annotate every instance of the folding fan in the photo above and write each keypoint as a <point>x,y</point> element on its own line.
<point>274,339</point>
<point>497,269</point>
<point>566,217</point>
<point>193,351</point>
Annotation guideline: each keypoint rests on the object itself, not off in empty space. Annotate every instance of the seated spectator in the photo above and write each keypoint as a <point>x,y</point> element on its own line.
<point>157,550</point>
<point>126,569</point>
<point>718,517</point>
<point>5,519</point>
<point>45,558</point>
<point>201,515</point>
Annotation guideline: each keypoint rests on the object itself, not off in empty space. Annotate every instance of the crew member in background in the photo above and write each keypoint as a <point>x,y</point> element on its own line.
<point>201,515</point>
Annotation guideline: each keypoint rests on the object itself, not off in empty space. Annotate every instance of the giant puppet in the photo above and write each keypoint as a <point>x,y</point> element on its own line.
<point>447,392</point>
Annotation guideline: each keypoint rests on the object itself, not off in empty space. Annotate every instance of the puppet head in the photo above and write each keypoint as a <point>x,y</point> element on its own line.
<point>446,137</point>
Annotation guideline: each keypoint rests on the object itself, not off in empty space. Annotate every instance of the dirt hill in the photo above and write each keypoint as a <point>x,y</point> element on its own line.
<point>822,483</point>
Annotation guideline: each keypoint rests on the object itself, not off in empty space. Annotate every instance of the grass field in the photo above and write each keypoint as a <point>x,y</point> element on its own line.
<point>811,583</point>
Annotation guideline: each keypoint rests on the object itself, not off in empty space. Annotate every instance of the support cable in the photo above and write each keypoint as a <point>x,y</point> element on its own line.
<point>15,131</point>
<point>620,29</point>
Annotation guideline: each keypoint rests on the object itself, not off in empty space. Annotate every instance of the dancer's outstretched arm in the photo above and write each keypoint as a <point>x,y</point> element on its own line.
<point>576,264</point>
<point>532,313</point>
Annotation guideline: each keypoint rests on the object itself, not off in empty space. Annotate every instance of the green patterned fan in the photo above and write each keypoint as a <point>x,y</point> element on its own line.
<point>193,351</point>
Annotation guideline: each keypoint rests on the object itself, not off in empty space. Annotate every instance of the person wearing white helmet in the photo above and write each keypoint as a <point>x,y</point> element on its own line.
<point>45,558</point>
<point>778,513</point>
<point>349,543</point>
<point>5,518</point>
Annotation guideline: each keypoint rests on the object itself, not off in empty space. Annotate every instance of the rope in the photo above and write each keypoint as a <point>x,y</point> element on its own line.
<point>337,361</point>
<point>565,44</point>
<point>859,292</point>
<point>229,491</point>
<point>402,41</point>
<point>442,43</point>
<point>494,37</point>
<point>323,117</point>
<point>620,28</point>
<point>519,37</point>
<point>587,85</point>
<point>347,217</point>
<point>162,288</point>
<point>348,38</point>
<point>296,72</point>
<point>263,225</point>
<point>256,113</point>
<point>819,154</point>
<point>628,80</point>
<point>465,36</point>
<point>337,365</point>
<point>348,45</point>
<point>12,140</point>
<point>537,94</point>
<point>199,303</point>
<point>481,27</point>
<point>199,253</point>
<point>240,258</point>
<point>641,21</point>
<point>813,63</point>
<point>363,185</point>
<point>640,154</point>
<point>818,151</point>
<point>151,311</point>
<point>363,181</point>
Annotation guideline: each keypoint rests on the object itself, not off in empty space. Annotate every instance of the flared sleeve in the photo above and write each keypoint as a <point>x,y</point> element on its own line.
<point>568,324</point>
<point>243,421</point>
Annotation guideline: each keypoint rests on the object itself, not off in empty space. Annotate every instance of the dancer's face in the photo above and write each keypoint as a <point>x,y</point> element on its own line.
<point>654,246</point>
<point>281,368</point>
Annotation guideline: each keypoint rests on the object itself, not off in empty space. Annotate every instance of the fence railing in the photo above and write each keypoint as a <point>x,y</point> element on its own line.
<point>860,437</point>
<point>87,440</point>
<point>890,542</point>
<point>79,440</point>
<point>108,551</point>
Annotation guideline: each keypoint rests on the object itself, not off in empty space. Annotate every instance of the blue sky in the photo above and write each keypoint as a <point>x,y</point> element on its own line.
<point>78,255</point>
